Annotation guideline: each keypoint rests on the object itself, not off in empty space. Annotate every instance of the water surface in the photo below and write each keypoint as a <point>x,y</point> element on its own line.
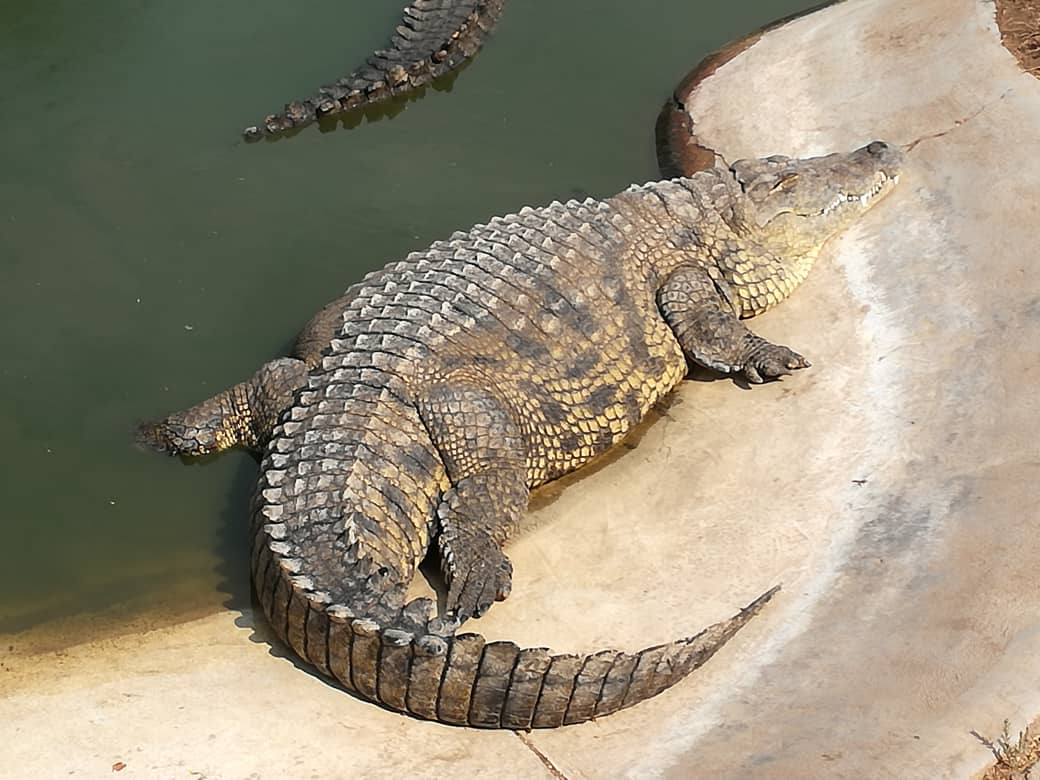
<point>151,258</point>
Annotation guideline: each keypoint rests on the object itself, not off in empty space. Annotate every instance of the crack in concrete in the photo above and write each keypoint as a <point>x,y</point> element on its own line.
<point>546,762</point>
<point>957,123</point>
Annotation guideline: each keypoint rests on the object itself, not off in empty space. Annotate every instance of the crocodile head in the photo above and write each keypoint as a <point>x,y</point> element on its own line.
<point>794,206</point>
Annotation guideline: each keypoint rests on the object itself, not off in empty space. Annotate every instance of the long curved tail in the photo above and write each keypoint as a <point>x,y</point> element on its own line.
<point>433,38</point>
<point>464,680</point>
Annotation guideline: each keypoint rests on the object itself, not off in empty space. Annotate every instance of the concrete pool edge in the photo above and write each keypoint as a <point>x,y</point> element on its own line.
<point>206,697</point>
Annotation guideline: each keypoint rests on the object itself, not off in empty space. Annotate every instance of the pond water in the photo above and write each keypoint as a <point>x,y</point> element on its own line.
<point>151,257</point>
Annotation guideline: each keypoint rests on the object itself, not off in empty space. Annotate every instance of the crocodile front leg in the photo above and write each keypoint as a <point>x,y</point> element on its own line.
<point>705,323</point>
<point>244,414</point>
<point>484,456</point>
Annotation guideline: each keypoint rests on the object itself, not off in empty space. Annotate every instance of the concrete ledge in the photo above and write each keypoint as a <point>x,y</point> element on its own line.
<point>892,489</point>
<point>919,624</point>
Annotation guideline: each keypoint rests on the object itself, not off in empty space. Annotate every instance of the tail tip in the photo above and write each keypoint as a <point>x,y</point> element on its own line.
<point>755,606</point>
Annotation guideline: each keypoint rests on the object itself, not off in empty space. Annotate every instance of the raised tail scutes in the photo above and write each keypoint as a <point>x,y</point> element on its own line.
<point>434,38</point>
<point>464,680</point>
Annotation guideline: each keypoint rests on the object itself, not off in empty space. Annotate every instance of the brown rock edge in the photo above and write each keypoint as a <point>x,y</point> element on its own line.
<point>679,151</point>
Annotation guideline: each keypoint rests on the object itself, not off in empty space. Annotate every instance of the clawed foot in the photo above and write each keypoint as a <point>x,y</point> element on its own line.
<point>771,361</point>
<point>176,438</point>
<point>478,575</point>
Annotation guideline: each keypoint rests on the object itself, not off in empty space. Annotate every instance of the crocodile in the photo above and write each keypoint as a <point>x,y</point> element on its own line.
<point>419,410</point>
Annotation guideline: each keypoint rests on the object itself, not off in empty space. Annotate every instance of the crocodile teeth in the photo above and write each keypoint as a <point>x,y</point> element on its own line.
<point>863,199</point>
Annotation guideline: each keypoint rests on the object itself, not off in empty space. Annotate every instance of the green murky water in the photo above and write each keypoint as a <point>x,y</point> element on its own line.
<point>149,257</point>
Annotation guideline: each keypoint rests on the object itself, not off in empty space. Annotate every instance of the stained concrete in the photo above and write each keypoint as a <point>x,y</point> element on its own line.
<point>892,489</point>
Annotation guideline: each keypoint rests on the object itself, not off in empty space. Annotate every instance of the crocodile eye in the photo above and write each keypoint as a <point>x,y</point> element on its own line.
<point>787,180</point>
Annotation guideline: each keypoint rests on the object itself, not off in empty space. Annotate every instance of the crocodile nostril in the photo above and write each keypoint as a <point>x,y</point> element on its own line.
<point>877,147</point>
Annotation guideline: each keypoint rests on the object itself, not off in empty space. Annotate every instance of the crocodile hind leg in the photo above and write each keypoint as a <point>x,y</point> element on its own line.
<point>705,321</point>
<point>247,413</point>
<point>244,414</point>
<point>485,459</point>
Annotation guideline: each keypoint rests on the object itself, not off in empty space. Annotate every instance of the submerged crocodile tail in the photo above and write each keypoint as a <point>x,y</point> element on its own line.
<point>433,38</point>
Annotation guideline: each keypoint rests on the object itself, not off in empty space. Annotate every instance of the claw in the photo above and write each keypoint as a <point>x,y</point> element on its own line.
<point>797,361</point>
<point>479,581</point>
<point>445,626</point>
<point>773,361</point>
